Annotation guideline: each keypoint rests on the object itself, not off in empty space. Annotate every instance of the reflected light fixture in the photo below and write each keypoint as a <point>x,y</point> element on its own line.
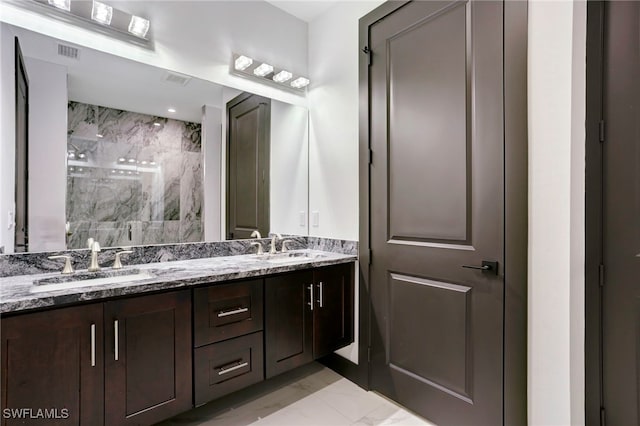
<point>139,26</point>
<point>101,12</point>
<point>242,62</point>
<point>172,110</point>
<point>263,70</point>
<point>61,4</point>
<point>282,76</point>
<point>300,82</point>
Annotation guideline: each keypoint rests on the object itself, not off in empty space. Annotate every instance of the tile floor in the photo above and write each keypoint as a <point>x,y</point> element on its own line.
<point>309,396</point>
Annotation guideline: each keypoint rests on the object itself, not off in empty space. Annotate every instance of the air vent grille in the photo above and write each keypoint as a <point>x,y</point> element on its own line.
<point>68,51</point>
<point>175,78</point>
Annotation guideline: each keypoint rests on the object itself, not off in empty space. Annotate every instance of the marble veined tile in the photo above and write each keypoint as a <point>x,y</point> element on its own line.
<point>82,121</point>
<point>191,137</point>
<point>191,187</point>
<point>190,231</point>
<point>389,414</point>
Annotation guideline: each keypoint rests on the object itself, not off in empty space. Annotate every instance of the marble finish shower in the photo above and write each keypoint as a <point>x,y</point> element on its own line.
<point>132,178</point>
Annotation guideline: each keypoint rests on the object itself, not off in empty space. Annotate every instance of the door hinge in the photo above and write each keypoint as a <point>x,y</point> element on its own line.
<point>601,275</point>
<point>369,354</point>
<point>601,130</point>
<point>370,156</point>
<point>367,52</point>
<point>602,417</point>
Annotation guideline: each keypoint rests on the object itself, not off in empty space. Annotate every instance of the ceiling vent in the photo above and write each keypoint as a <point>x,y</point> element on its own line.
<point>175,78</point>
<point>68,51</point>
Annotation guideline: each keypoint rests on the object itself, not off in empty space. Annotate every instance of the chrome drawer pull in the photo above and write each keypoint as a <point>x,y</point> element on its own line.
<point>234,312</point>
<point>115,340</point>
<point>230,369</point>
<point>311,301</point>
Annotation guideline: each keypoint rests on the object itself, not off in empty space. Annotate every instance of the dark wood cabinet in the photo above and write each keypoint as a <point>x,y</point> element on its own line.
<point>308,314</point>
<point>123,362</point>
<point>333,310</point>
<point>147,358</point>
<point>53,361</point>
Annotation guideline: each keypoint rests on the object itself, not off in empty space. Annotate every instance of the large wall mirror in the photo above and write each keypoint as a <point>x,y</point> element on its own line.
<point>131,154</point>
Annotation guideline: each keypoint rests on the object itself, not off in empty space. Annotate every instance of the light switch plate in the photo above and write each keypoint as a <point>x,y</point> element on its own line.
<point>315,218</point>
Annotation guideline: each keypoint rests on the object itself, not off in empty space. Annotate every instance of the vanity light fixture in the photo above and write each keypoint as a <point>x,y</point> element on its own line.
<point>139,26</point>
<point>61,4</point>
<point>101,12</point>
<point>282,76</point>
<point>263,69</point>
<point>71,155</point>
<point>144,162</point>
<point>82,155</point>
<point>153,163</point>
<point>243,62</point>
<point>132,160</point>
<point>122,159</point>
<point>156,124</point>
<point>171,110</point>
<point>264,72</point>
<point>300,82</point>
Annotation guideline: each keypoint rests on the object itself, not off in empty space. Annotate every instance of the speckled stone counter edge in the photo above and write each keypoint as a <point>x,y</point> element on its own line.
<point>38,263</point>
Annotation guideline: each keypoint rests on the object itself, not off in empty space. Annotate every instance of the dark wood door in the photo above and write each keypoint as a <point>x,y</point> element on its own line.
<point>248,135</point>
<point>53,361</point>
<point>621,195</point>
<point>21,239</point>
<point>333,309</point>
<point>436,134</point>
<point>148,353</point>
<point>288,322</point>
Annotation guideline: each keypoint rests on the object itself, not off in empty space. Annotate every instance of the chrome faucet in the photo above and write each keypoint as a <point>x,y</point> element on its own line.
<point>256,234</point>
<point>284,246</point>
<point>259,245</point>
<point>273,243</point>
<point>94,246</point>
<point>68,269</point>
<point>117,264</point>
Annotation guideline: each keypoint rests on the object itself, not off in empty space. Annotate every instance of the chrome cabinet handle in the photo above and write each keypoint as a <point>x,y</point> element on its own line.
<point>224,370</point>
<point>234,312</point>
<point>486,266</point>
<point>311,297</point>
<point>321,300</point>
<point>93,345</point>
<point>115,339</point>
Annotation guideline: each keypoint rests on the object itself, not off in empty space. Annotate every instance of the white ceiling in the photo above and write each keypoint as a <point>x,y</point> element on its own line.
<point>307,10</point>
<point>99,78</point>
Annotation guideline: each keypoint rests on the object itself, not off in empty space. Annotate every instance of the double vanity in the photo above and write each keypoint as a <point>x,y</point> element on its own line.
<point>145,342</point>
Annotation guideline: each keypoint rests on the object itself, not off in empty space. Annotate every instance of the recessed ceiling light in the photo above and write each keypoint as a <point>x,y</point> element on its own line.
<point>71,155</point>
<point>282,76</point>
<point>153,163</point>
<point>139,26</point>
<point>172,110</point>
<point>80,169</point>
<point>129,172</point>
<point>243,62</point>
<point>263,70</point>
<point>81,155</point>
<point>101,12</point>
<point>300,82</point>
<point>132,160</point>
<point>70,168</point>
<point>122,159</point>
<point>99,135</point>
<point>156,124</point>
<point>113,171</point>
<point>61,4</point>
<point>121,172</point>
<point>144,162</point>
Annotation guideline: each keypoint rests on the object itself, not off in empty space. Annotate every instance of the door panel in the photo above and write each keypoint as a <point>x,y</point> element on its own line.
<point>248,166</point>
<point>21,239</point>
<point>437,204</point>
<point>621,181</point>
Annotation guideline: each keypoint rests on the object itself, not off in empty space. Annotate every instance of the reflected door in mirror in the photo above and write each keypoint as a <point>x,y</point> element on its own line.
<point>22,137</point>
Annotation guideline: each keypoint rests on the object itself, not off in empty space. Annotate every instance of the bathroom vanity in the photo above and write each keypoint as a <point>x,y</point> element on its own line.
<point>144,351</point>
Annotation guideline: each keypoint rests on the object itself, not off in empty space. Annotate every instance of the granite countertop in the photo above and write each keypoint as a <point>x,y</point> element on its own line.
<point>17,292</point>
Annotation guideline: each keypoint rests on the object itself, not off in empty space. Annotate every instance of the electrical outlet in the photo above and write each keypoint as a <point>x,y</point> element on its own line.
<point>302,218</point>
<point>315,218</point>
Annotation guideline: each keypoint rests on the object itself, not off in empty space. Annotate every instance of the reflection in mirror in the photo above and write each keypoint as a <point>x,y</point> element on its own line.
<point>132,154</point>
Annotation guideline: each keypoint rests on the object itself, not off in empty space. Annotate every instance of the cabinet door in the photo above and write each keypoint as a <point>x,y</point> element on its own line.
<point>147,358</point>
<point>333,311</point>
<point>288,322</point>
<point>53,361</point>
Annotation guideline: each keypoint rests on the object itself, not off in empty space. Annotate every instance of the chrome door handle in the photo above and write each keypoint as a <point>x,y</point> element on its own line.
<point>93,345</point>
<point>233,312</point>
<point>311,297</point>
<point>115,340</point>
<point>486,266</point>
<point>224,370</point>
<point>321,296</point>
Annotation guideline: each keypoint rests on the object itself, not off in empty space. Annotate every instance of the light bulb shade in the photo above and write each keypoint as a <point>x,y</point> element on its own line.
<point>243,62</point>
<point>300,82</point>
<point>101,12</point>
<point>282,76</point>
<point>139,26</point>
<point>61,4</point>
<point>263,70</point>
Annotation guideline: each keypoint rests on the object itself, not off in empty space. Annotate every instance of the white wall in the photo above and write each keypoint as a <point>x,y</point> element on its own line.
<point>289,168</point>
<point>212,164</point>
<point>195,38</point>
<point>556,212</point>
<point>7,138</point>
<point>47,154</point>
<point>333,111</point>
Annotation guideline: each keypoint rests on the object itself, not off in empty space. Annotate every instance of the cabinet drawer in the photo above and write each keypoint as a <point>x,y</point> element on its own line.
<point>226,367</point>
<point>226,311</point>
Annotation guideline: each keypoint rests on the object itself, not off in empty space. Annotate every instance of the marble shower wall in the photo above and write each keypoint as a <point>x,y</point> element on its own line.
<point>132,178</point>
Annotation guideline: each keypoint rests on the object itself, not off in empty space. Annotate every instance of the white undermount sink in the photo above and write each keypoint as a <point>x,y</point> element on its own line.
<point>89,280</point>
<point>292,256</point>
